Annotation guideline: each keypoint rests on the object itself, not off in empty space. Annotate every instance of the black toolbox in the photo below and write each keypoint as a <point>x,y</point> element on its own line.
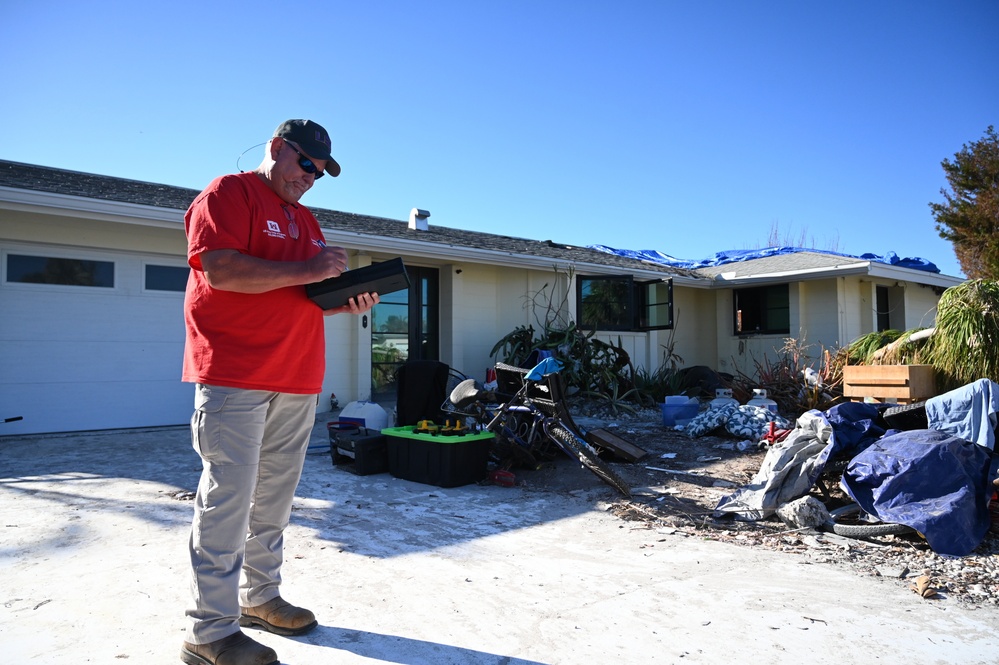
<point>357,449</point>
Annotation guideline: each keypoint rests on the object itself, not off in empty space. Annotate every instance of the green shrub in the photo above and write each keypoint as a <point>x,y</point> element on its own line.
<point>965,345</point>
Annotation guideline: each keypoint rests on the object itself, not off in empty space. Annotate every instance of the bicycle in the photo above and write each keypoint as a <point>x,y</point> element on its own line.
<point>532,424</point>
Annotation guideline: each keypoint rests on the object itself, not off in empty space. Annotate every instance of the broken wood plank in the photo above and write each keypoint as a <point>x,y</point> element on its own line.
<point>602,438</point>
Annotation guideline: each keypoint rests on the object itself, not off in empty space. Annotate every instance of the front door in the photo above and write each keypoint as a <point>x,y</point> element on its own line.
<point>405,325</point>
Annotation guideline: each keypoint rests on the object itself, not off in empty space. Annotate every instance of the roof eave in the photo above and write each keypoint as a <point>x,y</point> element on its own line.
<point>66,205</point>
<point>869,268</point>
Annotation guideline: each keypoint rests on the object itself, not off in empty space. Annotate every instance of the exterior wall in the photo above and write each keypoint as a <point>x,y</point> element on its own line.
<point>920,306</point>
<point>60,231</point>
<point>692,336</point>
<point>821,317</point>
<point>916,303</point>
<point>347,374</point>
<point>348,353</point>
<point>482,305</point>
<point>826,314</point>
<point>696,326</point>
<point>858,297</point>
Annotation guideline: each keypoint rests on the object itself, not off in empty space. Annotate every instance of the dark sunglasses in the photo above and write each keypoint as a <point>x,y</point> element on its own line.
<point>305,163</point>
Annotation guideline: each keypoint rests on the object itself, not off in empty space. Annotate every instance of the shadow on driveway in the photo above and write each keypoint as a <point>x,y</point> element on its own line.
<point>151,475</point>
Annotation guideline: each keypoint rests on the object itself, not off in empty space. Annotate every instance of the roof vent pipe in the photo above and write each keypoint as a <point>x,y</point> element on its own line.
<point>418,219</point>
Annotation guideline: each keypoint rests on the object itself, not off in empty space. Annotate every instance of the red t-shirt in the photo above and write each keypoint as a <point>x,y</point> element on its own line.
<point>270,341</point>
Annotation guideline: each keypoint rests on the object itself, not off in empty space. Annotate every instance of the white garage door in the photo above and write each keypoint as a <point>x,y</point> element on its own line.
<point>90,340</point>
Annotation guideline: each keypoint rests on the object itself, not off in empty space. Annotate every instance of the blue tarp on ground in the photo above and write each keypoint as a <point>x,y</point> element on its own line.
<point>856,427</point>
<point>734,255</point>
<point>929,480</point>
<point>969,412</point>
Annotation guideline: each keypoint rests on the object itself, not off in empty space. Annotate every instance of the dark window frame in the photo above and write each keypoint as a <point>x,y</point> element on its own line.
<point>163,278</point>
<point>882,308</point>
<point>422,328</point>
<point>762,310</point>
<point>628,310</point>
<point>47,270</point>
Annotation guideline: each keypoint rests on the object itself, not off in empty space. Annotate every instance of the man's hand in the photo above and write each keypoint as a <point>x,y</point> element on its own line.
<point>329,262</point>
<point>356,305</point>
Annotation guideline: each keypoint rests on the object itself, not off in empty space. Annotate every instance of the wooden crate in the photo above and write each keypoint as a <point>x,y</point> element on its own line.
<point>901,383</point>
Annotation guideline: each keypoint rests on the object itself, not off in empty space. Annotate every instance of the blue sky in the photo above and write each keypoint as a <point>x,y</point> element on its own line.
<point>686,127</point>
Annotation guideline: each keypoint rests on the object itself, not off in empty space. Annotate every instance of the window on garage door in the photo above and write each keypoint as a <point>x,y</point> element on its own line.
<point>166,278</point>
<point>27,269</point>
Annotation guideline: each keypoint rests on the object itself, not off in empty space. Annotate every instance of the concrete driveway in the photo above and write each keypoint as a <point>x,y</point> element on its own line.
<point>93,569</point>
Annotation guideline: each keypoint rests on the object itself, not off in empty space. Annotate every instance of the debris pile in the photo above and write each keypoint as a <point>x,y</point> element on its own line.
<point>678,485</point>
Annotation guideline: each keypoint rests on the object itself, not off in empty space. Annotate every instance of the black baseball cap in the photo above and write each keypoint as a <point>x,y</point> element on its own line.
<point>312,139</point>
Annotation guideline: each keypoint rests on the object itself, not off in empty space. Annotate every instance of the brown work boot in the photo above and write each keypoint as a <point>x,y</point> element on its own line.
<point>237,649</point>
<point>280,617</point>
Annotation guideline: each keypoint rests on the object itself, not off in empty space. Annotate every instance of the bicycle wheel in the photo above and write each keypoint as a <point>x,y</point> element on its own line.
<point>846,521</point>
<point>584,452</point>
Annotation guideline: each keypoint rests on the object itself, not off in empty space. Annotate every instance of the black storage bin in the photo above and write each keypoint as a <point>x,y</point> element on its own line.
<point>421,388</point>
<point>444,461</point>
<point>357,449</point>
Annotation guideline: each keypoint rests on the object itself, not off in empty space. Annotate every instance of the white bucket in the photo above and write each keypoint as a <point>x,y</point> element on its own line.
<point>365,414</point>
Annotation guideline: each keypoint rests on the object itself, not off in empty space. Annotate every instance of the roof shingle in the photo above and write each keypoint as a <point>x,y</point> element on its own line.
<point>32,177</point>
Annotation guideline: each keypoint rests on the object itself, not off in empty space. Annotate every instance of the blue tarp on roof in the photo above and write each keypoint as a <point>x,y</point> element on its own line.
<point>734,255</point>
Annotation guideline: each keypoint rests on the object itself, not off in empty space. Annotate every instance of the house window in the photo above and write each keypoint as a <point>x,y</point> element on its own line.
<point>621,303</point>
<point>51,270</point>
<point>166,278</point>
<point>764,310</point>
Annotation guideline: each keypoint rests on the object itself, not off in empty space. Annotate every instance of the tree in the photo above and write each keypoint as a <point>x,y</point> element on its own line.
<point>970,216</point>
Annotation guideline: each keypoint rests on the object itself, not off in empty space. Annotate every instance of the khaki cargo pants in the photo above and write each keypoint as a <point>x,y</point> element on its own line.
<point>252,444</point>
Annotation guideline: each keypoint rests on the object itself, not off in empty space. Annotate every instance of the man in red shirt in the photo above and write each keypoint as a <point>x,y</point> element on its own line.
<point>256,351</point>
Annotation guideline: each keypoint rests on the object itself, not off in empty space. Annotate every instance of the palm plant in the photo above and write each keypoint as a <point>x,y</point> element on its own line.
<point>965,344</point>
<point>860,350</point>
<point>888,347</point>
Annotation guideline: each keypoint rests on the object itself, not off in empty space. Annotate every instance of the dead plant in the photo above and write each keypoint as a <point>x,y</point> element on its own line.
<point>796,380</point>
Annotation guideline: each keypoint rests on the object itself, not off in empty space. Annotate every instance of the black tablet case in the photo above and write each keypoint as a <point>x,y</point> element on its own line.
<point>380,278</point>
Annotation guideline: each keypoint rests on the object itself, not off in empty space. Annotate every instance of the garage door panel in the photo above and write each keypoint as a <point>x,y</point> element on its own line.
<point>81,358</point>
<point>71,407</point>
<point>87,361</point>
<point>56,317</point>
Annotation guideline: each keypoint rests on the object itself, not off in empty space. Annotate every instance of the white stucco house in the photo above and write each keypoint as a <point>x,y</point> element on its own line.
<point>92,273</point>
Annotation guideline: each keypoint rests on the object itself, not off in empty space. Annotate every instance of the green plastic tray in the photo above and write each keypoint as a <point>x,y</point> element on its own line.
<point>408,433</point>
